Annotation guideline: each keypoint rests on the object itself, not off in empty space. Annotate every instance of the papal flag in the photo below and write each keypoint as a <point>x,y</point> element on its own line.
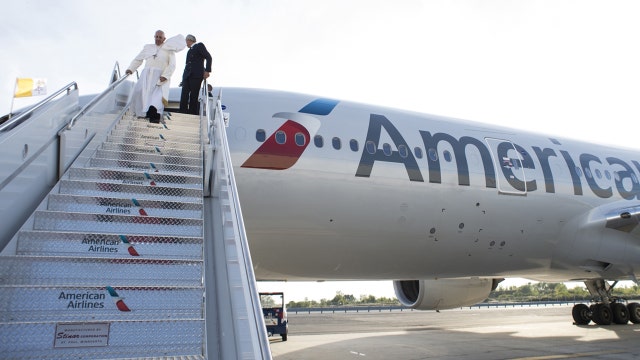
<point>30,87</point>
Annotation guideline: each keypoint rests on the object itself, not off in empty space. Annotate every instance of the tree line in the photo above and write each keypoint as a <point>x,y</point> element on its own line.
<point>342,299</point>
<point>529,292</point>
<point>553,291</point>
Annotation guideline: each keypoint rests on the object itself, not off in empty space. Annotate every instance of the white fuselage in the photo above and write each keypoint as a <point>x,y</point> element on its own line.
<point>414,196</point>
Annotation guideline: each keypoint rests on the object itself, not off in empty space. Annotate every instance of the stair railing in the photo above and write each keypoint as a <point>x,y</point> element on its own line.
<point>94,101</point>
<point>13,121</point>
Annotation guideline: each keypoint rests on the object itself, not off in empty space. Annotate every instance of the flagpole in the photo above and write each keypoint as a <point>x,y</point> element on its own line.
<point>13,98</point>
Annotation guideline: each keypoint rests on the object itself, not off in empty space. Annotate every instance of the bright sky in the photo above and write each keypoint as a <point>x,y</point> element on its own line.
<point>569,68</point>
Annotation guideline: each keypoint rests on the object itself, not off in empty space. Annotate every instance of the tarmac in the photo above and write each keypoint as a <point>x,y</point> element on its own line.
<point>531,333</point>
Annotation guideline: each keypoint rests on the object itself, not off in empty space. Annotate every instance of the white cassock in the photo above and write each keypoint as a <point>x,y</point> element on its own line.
<point>159,61</point>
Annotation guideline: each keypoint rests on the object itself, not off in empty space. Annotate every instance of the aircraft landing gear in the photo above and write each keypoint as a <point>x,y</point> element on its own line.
<point>609,309</point>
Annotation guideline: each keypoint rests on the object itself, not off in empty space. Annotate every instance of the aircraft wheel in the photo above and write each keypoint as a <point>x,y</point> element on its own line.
<point>581,314</point>
<point>634,312</point>
<point>284,337</point>
<point>620,313</point>
<point>601,314</point>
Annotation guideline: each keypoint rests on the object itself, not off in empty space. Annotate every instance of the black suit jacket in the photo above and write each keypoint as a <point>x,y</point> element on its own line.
<point>195,67</point>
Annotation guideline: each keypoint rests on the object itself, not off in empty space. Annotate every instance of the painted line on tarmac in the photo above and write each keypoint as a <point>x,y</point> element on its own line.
<point>569,356</point>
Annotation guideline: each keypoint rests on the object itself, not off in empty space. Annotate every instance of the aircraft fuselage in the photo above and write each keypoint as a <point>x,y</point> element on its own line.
<point>339,190</point>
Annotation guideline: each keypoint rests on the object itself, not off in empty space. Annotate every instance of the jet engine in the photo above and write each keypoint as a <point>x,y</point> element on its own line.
<point>444,293</point>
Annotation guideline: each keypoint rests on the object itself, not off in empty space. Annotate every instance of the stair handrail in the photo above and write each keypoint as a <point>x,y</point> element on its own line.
<point>94,101</point>
<point>25,115</point>
<point>219,118</point>
<point>204,108</point>
<point>115,73</point>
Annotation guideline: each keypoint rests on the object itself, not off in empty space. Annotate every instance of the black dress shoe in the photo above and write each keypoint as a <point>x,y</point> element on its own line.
<point>155,118</point>
<point>150,113</point>
<point>153,115</point>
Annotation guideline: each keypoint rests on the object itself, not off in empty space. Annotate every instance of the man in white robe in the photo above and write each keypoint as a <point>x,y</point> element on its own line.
<point>152,88</point>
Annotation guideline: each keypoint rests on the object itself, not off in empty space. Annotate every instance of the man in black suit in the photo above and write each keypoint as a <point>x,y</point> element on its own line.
<point>195,71</point>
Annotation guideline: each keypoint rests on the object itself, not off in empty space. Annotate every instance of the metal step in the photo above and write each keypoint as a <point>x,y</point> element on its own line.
<point>120,224</point>
<point>136,177</point>
<point>155,158</point>
<point>52,243</point>
<point>76,303</point>
<point>89,271</point>
<point>180,339</point>
<point>159,134</point>
<point>125,206</point>
<point>172,128</point>
<point>144,166</point>
<point>153,141</point>
<point>150,149</point>
<point>110,189</point>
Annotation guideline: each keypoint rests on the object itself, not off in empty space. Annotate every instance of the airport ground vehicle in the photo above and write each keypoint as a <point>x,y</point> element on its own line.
<point>275,314</point>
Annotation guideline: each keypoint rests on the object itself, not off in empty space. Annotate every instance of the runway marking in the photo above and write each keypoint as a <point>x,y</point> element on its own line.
<point>568,356</point>
<point>357,353</point>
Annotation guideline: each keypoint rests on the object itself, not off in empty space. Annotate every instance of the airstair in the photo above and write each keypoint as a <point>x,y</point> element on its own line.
<point>138,251</point>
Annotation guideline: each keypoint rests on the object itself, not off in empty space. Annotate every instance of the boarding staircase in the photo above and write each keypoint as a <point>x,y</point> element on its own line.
<point>137,252</point>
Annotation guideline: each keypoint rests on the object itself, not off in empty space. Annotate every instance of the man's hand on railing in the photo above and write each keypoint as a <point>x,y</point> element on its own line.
<point>128,72</point>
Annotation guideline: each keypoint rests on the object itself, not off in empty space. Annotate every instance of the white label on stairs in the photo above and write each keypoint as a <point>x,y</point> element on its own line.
<point>75,335</point>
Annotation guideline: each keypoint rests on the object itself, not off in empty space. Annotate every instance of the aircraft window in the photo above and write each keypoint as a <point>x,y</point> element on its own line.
<point>433,154</point>
<point>587,173</point>
<point>418,152</point>
<point>318,140</point>
<point>371,147</point>
<point>607,174</point>
<point>353,144</point>
<point>300,139</point>
<point>447,155</point>
<point>281,137</point>
<point>386,149</point>
<point>598,174</point>
<point>261,135</point>
<point>336,143</point>
<point>404,152</point>
<point>579,171</point>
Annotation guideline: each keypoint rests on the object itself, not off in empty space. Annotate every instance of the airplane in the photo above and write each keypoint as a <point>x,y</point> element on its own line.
<point>446,208</point>
<point>443,207</point>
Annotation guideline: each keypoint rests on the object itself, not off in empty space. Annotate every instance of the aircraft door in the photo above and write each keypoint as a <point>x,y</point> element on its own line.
<point>510,175</point>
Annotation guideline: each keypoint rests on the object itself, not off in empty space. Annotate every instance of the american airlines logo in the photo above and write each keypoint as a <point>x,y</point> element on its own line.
<point>117,299</point>
<point>276,153</point>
